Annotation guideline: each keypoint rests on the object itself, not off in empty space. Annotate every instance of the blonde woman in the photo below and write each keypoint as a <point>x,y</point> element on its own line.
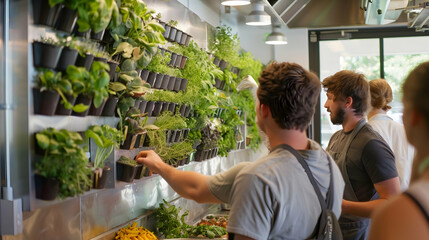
<point>392,132</point>
<point>407,215</point>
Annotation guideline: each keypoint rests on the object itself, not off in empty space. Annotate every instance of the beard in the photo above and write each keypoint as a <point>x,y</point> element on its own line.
<point>338,118</point>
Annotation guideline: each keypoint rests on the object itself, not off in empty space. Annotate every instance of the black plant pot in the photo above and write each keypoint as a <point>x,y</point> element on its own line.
<point>107,37</point>
<point>97,36</point>
<point>182,110</point>
<point>44,14</point>
<point>157,109</point>
<point>187,111</point>
<point>172,107</point>
<point>109,107</point>
<point>129,141</point>
<point>85,61</point>
<point>184,84</point>
<point>171,83</point>
<point>142,172</point>
<point>93,111</point>
<point>186,133</point>
<point>137,103</point>
<point>188,39</point>
<point>183,62</point>
<point>144,75</point>
<point>162,51</point>
<point>178,36</point>
<point>165,81</point>
<point>149,108</point>
<point>76,32</point>
<point>173,59</point>
<point>221,85</point>
<point>46,55</point>
<point>158,81</point>
<point>151,78</point>
<point>66,20</point>
<point>125,172</point>
<point>85,100</point>
<point>112,71</point>
<point>61,110</point>
<point>198,157</point>
<point>222,64</point>
<point>142,106</point>
<point>100,59</point>
<point>166,34</point>
<point>45,103</point>
<point>216,61</point>
<point>183,38</point>
<point>178,61</point>
<point>139,71</point>
<point>68,57</point>
<point>164,106</point>
<point>138,174</point>
<point>217,83</point>
<point>177,84</point>
<point>139,141</point>
<point>172,35</point>
<point>178,135</point>
<point>46,188</point>
<point>100,182</point>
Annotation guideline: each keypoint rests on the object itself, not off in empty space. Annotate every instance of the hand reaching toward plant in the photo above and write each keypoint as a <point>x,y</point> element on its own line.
<point>151,159</point>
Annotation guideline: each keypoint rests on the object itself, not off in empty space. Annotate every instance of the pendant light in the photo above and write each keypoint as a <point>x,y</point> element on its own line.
<point>276,37</point>
<point>258,17</point>
<point>235,2</point>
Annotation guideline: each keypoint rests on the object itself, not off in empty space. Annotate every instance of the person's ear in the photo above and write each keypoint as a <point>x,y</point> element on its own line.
<point>348,102</point>
<point>265,110</point>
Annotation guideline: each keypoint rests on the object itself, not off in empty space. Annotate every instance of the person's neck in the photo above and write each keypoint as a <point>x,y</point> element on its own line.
<point>294,138</point>
<point>376,111</point>
<point>350,122</point>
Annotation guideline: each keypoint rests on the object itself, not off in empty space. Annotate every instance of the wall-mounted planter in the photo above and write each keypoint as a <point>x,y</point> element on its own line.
<point>178,61</point>
<point>85,100</point>
<point>112,65</point>
<point>182,110</point>
<point>164,106</point>
<point>46,188</point>
<point>46,55</point>
<point>45,103</point>
<point>198,157</point>
<point>173,59</point>
<point>184,84</point>
<point>100,59</point>
<point>143,172</point>
<point>217,83</point>
<point>187,111</point>
<point>157,108</point>
<point>222,64</point>
<point>167,28</point>
<point>61,110</point>
<point>178,36</point>
<point>183,38</point>
<point>125,172</point>
<point>144,75</point>
<point>129,142</point>
<point>171,83</point>
<point>137,103</point>
<point>178,135</point>
<point>66,20</point>
<point>139,71</point>
<point>76,32</point>
<point>188,39</point>
<point>142,106</point>
<point>44,14</point>
<point>216,61</point>
<point>177,84</point>
<point>85,61</point>
<point>172,35</point>
<point>149,108</point>
<point>158,81</point>
<point>183,62</point>
<point>165,81</point>
<point>172,107</point>
<point>99,182</point>
<point>68,57</point>
<point>97,36</point>
<point>186,133</point>
<point>151,78</point>
<point>110,106</point>
<point>93,111</point>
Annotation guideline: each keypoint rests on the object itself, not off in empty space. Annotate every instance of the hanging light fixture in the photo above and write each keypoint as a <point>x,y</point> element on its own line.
<point>235,2</point>
<point>258,17</point>
<point>276,37</point>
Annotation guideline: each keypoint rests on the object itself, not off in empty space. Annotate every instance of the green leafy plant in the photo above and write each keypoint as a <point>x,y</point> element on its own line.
<point>106,138</point>
<point>65,160</point>
<point>171,224</point>
<point>226,44</point>
<point>169,121</point>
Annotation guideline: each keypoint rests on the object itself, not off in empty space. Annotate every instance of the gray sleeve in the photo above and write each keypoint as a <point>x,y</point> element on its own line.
<point>220,184</point>
<point>253,204</point>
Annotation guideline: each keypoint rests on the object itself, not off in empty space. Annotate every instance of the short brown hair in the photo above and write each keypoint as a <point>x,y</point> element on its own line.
<point>346,83</point>
<point>416,88</point>
<point>381,94</point>
<point>290,92</point>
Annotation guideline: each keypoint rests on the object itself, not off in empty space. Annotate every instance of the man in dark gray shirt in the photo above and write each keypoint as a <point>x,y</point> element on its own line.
<point>364,158</point>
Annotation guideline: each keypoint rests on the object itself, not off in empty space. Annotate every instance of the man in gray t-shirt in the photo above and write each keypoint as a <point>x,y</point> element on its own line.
<point>271,198</point>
